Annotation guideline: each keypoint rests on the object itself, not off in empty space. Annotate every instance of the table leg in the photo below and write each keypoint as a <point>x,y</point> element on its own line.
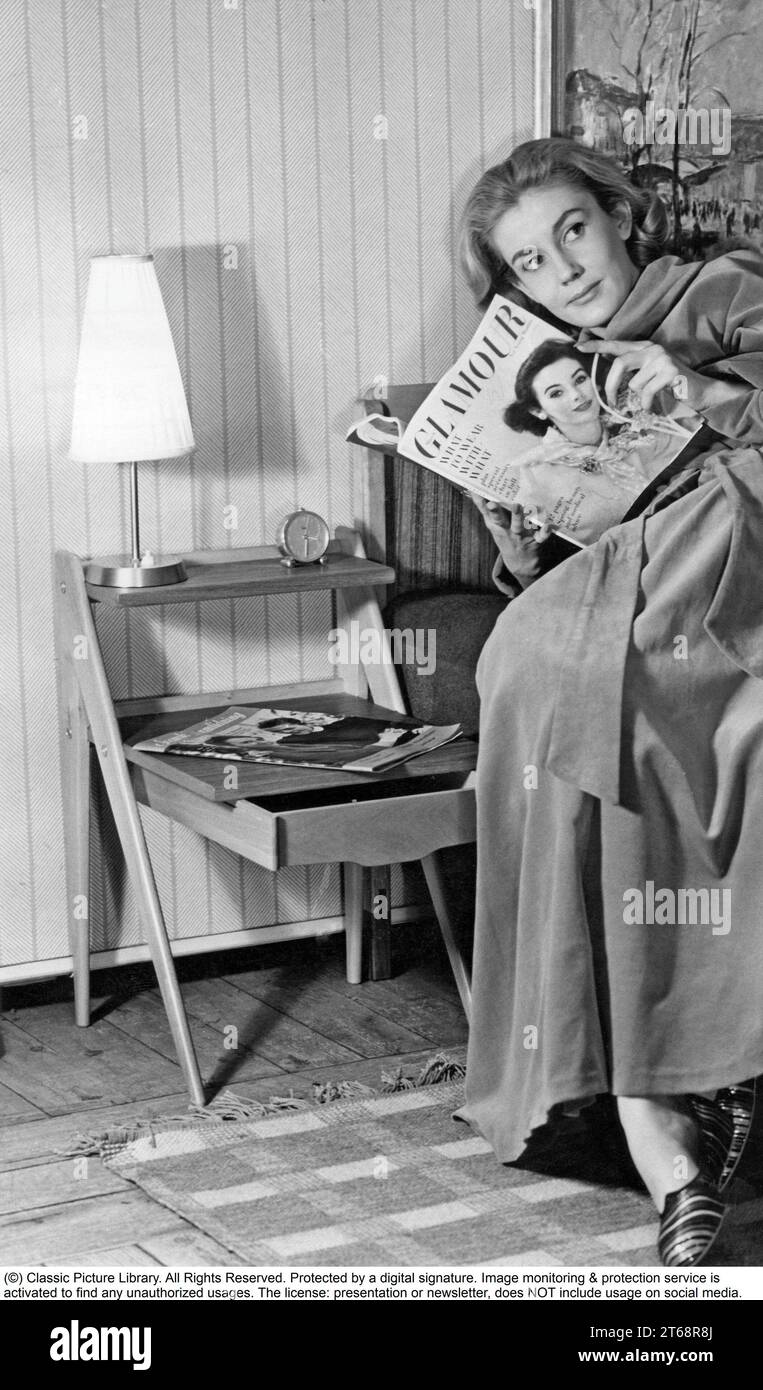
<point>376,920</point>
<point>141,873</point>
<point>367,922</point>
<point>353,921</point>
<point>75,774</point>
<point>81,667</point>
<point>436,886</point>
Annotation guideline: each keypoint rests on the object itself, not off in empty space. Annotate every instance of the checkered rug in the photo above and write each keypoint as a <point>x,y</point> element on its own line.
<point>393,1180</point>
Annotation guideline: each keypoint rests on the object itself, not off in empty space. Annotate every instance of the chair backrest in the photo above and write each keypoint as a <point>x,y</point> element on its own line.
<point>433,536</point>
<point>436,638</point>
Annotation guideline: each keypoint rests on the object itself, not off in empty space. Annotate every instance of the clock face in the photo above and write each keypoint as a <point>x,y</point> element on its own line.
<point>304,536</point>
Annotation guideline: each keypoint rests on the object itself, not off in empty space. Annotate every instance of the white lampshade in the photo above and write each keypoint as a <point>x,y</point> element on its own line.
<point>129,402</point>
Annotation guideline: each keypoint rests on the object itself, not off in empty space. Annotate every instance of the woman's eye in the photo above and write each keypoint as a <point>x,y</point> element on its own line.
<point>574,230</point>
<point>532,261</point>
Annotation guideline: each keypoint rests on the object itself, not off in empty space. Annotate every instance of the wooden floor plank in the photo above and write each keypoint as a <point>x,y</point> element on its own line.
<point>441,1021</point>
<point>347,1021</point>
<point>437,1018</point>
<point>261,1029</point>
<point>61,1067</point>
<point>145,1020</point>
<point>50,1184</point>
<point>75,1230</point>
<point>53,1083</point>
<point>434,1014</point>
<point>15,1108</point>
<point>402,985</point>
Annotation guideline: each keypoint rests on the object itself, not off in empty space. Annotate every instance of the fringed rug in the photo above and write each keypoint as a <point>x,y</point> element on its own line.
<point>390,1179</point>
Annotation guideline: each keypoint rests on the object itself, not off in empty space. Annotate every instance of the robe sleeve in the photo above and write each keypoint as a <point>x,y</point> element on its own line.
<point>723,341</point>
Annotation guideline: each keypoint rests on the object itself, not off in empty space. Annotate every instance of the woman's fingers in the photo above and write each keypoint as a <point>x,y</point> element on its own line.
<point>515,519</point>
<point>497,520</point>
<point>496,513</point>
<point>653,368</point>
<point>493,513</point>
<point>612,347</point>
<point>656,375</point>
<point>614,380</point>
<point>517,543</point>
<point>646,385</point>
<point>510,520</point>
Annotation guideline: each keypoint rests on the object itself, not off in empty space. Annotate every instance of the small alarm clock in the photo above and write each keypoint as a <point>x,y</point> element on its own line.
<point>303,538</point>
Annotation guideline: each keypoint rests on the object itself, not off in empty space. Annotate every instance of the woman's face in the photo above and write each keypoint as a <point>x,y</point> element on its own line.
<point>564,395</point>
<point>567,253</point>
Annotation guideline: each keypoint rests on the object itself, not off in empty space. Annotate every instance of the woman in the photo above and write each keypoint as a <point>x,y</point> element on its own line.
<point>621,742</point>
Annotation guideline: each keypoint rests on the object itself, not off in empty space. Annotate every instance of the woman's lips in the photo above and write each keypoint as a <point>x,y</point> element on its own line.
<point>585,295</point>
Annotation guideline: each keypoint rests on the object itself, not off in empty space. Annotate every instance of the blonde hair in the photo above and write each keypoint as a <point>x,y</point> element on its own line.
<point>537,164</point>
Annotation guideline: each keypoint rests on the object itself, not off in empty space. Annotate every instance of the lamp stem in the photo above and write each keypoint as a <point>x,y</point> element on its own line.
<point>134,514</point>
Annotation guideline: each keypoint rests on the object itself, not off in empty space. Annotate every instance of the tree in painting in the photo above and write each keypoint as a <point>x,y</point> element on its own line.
<point>663,90</point>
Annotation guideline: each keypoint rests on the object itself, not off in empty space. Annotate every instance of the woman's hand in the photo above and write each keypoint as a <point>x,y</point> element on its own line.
<point>518,542</point>
<point>655,370</point>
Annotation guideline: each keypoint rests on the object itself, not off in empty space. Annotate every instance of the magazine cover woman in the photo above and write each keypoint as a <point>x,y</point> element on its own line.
<point>350,731</point>
<point>556,400</point>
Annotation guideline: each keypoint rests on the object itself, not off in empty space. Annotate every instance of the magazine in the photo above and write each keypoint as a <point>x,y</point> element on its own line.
<point>521,417</point>
<point>305,738</point>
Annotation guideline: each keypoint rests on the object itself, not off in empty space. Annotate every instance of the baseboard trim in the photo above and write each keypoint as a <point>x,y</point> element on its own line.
<point>31,972</point>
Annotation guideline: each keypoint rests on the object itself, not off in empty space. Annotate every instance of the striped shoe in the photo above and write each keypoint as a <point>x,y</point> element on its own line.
<point>690,1222</point>
<point>738,1103</point>
<point>724,1125</point>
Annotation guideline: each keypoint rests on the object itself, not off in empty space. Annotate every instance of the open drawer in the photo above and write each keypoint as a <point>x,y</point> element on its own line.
<point>295,815</point>
<point>365,823</point>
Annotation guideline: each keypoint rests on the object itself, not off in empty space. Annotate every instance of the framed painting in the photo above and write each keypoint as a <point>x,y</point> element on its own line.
<point>670,89</point>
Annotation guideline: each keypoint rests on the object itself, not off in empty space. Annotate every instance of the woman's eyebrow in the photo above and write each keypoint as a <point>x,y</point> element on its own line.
<point>528,250</point>
<point>569,213</point>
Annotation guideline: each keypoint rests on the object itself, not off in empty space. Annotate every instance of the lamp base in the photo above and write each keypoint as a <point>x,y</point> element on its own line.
<point>121,572</point>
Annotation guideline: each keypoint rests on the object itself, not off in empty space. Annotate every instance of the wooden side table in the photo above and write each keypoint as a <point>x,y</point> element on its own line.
<point>276,815</point>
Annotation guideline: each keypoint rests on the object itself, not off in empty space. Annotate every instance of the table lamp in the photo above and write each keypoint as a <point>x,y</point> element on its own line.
<point>129,402</point>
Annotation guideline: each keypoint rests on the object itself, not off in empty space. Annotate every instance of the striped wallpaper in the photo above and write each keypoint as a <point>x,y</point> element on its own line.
<point>297,168</point>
